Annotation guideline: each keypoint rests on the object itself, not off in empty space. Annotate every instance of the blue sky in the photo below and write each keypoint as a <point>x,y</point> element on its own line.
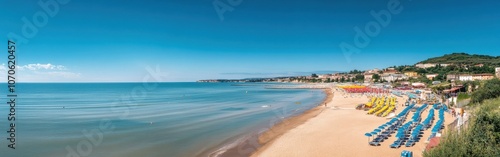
<point>115,41</point>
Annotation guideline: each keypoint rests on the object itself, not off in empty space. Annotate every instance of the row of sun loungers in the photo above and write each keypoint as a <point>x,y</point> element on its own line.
<point>428,121</point>
<point>385,130</point>
<point>401,135</point>
<point>416,117</point>
<point>415,135</point>
<point>409,133</point>
<point>439,124</point>
<point>414,128</point>
<point>383,106</point>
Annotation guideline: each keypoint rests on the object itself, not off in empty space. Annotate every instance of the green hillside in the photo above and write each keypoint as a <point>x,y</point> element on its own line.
<point>466,59</point>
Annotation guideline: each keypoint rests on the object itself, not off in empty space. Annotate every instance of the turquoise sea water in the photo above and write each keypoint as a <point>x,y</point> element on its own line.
<point>144,120</point>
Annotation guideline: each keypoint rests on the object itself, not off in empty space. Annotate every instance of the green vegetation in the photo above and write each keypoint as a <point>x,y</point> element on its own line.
<point>376,77</point>
<point>355,71</point>
<point>463,96</point>
<point>459,63</point>
<point>481,136</point>
<point>440,87</point>
<point>421,79</point>
<point>457,69</point>
<point>360,78</point>
<point>490,89</point>
<point>465,59</point>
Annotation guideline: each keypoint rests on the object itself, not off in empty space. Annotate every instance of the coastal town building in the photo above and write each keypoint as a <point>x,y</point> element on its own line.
<point>393,77</point>
<point>324,76</point>
<point>373,71</point>
<point>497,72</point>
<point>405,83</point>
<point>424,66</point>
<point>418,85</point>
<point>465,77</point>
<point>444,65</point>
<point>430,65</point>
<point>431,76</point>
<point>390,71</point>
<point>411,74</point>
<point>368,77</point>
<point>452,77</point>
<point>469,77</point>
<point>485,76</point>
<point>335,76</point>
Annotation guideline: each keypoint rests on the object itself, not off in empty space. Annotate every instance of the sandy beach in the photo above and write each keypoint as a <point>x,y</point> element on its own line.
<point>337,130</point>
<point>266,138</point>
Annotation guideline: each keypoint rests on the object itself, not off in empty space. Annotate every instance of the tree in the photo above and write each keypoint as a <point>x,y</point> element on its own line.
<point>328,80</point>
<point>313,80</point>
<point>440,77</point>
<point>479,138</point>
<point>376,77</point>
<point>422,71</point>
<point>342,79</point>
<point>360,78</point>
<point>490,89</point>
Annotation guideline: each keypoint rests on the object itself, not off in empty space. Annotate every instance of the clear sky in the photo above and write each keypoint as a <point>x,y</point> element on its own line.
<point>116,40</point>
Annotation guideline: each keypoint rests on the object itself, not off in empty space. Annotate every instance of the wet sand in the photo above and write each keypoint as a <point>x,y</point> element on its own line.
<point>257,140</point>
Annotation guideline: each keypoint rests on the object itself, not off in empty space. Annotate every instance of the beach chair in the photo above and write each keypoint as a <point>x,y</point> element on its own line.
<point>376,141</point>
<point>410,143</point>
<point>406,153</point>
<point>397,143</point>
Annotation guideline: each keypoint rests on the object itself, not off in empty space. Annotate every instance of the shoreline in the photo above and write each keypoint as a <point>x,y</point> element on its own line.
<point>257,141</point>
<point>268,137</point>
<point>339,131</point>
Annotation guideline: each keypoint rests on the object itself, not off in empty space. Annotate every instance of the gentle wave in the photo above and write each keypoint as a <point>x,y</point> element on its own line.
<point>175,119</point>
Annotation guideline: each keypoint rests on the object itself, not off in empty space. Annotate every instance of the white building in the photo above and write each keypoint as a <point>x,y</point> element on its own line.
<point>465,78</point>
<point>373,71</point>
<point>485,76</point>
<point>497,72</point>
<point>368,77</point>
<point>444,65</point>
<point>452,77</point>
<point>430,65</point>
<point>424,66</point>
<point>394,77</point>
<point>324,76</point>
<point>431,76</point>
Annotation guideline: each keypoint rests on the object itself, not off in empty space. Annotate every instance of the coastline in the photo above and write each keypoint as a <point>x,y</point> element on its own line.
<point>268,137</point>
<point>258,141</point>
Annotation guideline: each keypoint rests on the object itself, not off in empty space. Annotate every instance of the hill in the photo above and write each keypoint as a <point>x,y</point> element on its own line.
<point>466,59</point>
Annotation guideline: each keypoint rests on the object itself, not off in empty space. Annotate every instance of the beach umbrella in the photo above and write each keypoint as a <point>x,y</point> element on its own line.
<point>368,135</point>
<point>381,127</point>
<point>377,130</point>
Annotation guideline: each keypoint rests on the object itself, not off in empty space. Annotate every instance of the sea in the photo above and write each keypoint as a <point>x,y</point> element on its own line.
<point>144,119</point>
